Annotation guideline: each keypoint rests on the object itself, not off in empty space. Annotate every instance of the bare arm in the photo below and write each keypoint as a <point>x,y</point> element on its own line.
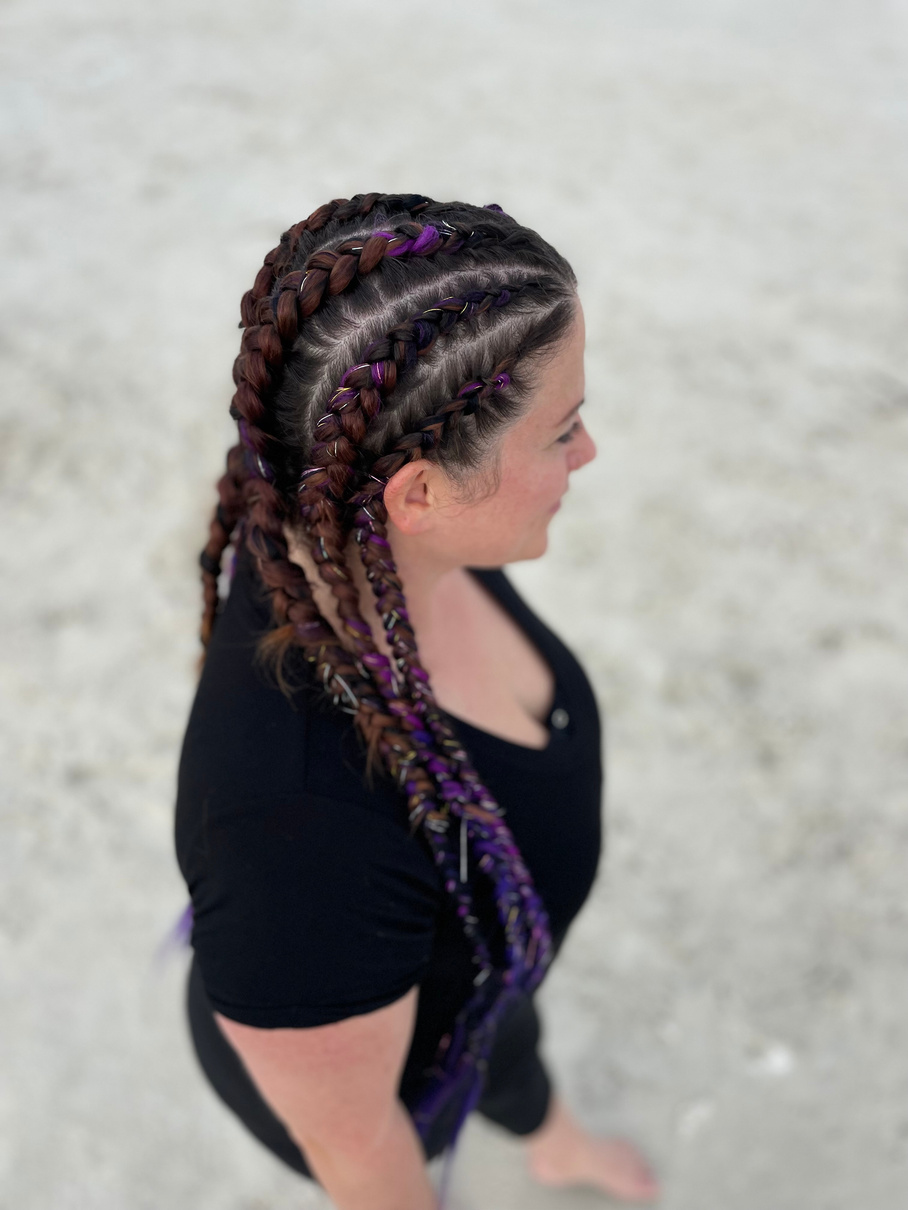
<point>335,1088</point>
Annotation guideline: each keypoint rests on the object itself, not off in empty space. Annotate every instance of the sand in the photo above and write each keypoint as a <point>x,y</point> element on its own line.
<point>730,181</point>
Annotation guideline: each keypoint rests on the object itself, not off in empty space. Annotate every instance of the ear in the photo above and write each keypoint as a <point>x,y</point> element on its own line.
<point>412,496</point>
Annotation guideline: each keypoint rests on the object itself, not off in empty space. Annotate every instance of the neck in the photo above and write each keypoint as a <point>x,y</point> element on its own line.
<point>422,574</point>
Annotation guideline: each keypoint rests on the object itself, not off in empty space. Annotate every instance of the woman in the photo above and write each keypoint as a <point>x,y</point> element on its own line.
<point>389,792</point>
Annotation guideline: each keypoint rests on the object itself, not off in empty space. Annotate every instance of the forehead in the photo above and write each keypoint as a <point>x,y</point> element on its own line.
<point>560,379</point>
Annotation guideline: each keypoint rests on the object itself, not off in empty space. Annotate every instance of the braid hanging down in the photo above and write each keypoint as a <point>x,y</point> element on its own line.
<point>439,312</point>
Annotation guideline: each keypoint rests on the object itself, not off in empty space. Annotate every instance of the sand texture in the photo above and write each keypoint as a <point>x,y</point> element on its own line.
<point>730,181</point>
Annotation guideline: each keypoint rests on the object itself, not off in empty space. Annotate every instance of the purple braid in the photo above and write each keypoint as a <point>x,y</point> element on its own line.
<point>330,474</point>
<point>462,1055</point>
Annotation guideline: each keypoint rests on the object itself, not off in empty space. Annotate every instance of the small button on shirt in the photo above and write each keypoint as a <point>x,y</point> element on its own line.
<point>560,718</point>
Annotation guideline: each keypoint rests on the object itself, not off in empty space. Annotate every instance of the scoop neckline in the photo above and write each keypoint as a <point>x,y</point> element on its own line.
<point>558,740</point>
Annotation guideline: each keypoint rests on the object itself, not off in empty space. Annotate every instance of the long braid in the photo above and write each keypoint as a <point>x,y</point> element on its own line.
<point>462,1055</point>
<point>275,325</point>
<point>258,364</point>
<point>231,505</point>
<point>340,492</point>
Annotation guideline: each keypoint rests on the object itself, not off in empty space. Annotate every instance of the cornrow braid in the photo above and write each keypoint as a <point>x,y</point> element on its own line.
<point>275,323</point>
<point>298,294</point>
<point>313,461</point>
<point>339,211</point>
<point>463,1055</point>
<point>230,487</point>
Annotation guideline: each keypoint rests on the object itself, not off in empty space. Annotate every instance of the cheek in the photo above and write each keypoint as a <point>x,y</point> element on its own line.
<point>529,495</point>
<point>549,483</point>
<point>496,530</point>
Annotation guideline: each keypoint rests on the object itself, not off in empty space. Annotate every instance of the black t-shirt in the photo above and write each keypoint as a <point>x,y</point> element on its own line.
<point>312,901</point>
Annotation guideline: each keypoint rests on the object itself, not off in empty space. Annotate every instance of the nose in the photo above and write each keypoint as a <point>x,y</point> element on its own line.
<point>583,450</point>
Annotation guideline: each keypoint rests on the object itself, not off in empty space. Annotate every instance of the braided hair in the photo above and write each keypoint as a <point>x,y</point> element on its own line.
<point>382,329</point>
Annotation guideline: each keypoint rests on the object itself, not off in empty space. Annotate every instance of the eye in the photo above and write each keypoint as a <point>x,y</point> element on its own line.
<point>569,435</point>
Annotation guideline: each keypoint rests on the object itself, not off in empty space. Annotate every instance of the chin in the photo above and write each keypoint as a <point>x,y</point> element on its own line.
<point>532,545</point>
<point>534,549</point>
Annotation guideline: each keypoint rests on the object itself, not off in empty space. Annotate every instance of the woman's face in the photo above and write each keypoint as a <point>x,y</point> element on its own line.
<point>536,456</point>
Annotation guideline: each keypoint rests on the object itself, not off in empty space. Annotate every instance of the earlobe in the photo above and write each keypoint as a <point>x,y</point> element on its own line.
<point>409,497</point>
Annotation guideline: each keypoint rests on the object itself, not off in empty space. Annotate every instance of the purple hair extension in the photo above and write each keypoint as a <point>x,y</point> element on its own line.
<point>462,1057</point>
<point>463,827</point>
<point>257,465</point>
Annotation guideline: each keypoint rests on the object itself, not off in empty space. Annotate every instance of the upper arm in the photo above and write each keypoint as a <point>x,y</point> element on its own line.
<point>314,925</point>
<point>333,1085</point>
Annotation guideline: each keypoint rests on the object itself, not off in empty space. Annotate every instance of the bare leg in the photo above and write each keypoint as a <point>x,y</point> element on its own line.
<point>562,1153</point>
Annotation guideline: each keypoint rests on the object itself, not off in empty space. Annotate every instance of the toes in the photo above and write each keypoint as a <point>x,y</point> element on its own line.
<point>625,1171</point>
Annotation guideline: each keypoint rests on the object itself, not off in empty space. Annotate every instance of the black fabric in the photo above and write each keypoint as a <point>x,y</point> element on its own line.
<point>516,1093</point>
<point>230,1080</point>
<point>312,902</point>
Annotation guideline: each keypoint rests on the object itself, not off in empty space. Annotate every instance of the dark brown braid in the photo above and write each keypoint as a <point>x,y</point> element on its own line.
<point>466,303</point>
<point>230,486</point>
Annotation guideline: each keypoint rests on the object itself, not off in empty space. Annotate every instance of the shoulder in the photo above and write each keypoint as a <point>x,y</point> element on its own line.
<point>247,738</point>
<point>309,909</point>
<point>311,899</point>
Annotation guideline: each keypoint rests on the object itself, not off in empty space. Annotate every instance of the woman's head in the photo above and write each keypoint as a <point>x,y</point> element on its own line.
<point>501,512</point>
<point>369,275</point>
<point>409,371</point>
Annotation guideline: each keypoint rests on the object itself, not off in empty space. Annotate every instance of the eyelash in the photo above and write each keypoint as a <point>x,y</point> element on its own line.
<point>569,435</point>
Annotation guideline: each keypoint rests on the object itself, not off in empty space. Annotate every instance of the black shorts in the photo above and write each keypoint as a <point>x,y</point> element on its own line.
<point>515,1097</point>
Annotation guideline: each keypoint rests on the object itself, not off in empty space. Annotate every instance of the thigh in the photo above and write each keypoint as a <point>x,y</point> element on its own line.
<point>517,1089</point>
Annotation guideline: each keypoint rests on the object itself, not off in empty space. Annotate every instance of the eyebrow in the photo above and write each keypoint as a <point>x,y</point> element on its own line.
<point>570,413</point>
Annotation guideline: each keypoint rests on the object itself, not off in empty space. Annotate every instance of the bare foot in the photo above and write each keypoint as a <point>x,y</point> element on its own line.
<point>562,1153</point>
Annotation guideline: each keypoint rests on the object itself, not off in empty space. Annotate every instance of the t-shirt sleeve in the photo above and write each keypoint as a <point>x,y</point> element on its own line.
<point>308,911</point>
